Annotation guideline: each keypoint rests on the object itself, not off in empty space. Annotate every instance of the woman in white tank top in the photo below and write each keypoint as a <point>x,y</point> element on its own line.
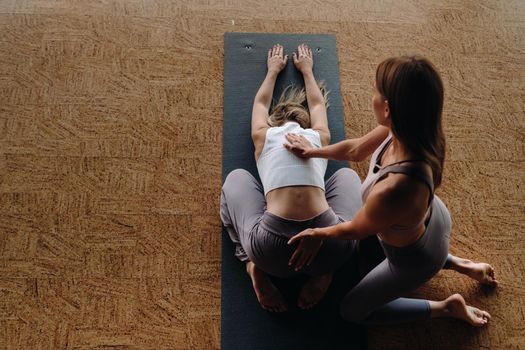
<point>293,195</point>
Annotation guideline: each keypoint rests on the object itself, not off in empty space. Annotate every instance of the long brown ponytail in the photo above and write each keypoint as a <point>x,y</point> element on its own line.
<point>414,91</point>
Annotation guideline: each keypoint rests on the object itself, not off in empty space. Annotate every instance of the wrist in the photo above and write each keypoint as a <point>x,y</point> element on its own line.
<point>320,233</point>
<point>308,72</point>
<point>272,73</point>
<point>314,152</point>
<point>310,152</point>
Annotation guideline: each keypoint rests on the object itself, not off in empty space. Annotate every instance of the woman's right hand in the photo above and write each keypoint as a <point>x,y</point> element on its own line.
<point>276,59</point>
<point>303,59</point>
<point>298,145</point>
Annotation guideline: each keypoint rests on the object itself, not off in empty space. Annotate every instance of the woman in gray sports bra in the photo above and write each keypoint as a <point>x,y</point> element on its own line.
<point>412,224</point>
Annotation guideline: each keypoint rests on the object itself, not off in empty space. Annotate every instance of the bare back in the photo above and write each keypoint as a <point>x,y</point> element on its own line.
<point>399,193</point>
<point>299,202</point>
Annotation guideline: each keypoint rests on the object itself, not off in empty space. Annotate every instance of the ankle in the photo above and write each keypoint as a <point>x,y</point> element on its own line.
<point>461,265</point>
<point>438,309</point>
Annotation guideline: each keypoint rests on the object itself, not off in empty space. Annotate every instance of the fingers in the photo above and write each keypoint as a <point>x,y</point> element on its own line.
<point>303,259</point>
<point>300,257</point>
<point>276,50</point>
<point>294,138</point>
<point>294,239</point>
<point>295,257</point>
<point>310,259</point>
<point>290,137</point>
<point>298,140</point>
<point>304,51</point>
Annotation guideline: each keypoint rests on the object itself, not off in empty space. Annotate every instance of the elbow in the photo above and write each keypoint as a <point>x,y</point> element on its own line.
<point>356,151</point>
<point>354,155</point>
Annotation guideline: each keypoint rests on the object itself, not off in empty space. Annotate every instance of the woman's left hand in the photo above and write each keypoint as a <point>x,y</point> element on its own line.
<point>276,60</point>
<point>307,249</point>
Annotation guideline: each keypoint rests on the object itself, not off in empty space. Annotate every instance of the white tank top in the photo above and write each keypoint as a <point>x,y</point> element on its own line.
<point>279,167</point>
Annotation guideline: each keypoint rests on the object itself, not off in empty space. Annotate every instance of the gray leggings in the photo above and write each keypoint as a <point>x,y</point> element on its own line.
<point>262,237</point>
<point>376,299</point>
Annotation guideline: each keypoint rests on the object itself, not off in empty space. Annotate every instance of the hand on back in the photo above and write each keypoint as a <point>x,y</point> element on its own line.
<point>298,145</point>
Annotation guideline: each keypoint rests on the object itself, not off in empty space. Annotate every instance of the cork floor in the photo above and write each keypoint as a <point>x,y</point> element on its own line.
<point>111,148</point>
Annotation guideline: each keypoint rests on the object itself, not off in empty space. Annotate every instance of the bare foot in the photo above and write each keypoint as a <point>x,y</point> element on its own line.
<point>268,295</point>
<point>483,273</point>
<point>313,290</point>
<point>455,306</point>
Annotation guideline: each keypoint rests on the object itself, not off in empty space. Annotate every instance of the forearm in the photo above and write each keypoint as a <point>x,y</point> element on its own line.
<point>265,93</point>
<point>338,151</point>
<point>314,96</point>
<point>354,150</point>
<point>345,231</point>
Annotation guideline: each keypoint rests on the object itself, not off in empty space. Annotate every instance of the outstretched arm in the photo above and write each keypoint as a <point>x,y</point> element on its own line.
<point>354,150</point>
<point>303,61</point>
<point>263,99</point>
<point>380,211</point>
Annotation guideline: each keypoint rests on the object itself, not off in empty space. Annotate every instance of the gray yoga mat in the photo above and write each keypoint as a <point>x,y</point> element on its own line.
<point>244,324</point>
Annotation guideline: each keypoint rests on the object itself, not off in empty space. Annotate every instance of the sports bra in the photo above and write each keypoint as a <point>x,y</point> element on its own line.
<point>376,172</point>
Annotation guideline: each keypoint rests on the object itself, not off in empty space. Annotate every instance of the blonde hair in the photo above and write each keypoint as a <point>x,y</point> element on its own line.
<point>292,106</point>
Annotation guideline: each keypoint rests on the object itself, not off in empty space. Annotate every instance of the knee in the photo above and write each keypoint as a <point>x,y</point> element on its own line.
<point>237,181</point>
<point>235,176</point>
<point>230,186</point>
<point>349,175</point>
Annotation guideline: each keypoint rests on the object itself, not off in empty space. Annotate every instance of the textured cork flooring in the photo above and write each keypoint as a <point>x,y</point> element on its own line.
<point>111,148</point>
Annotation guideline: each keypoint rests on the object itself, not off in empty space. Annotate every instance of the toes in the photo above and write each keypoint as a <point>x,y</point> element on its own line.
<point>271,308</point>
<point>281,307</point>
<point>480,317</point>
<point>304,304</point>
<point>492,278</point>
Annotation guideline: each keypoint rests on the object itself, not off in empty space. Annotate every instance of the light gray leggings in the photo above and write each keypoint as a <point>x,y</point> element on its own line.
<point>262,237</point>
<point>377,298</point>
